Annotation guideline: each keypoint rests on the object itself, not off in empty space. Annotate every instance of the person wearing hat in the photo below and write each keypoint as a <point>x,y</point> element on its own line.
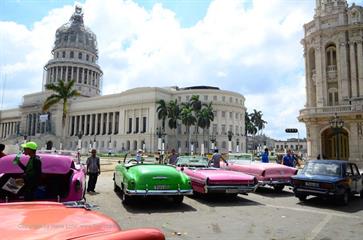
<point>32,170</point>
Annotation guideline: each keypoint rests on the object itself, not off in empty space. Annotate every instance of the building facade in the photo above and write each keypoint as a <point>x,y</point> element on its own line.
<point>333,53</point>
<point>125,121</point>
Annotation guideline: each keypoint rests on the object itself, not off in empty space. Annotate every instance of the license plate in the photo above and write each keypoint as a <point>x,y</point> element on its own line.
<point>311,184</point>
<point>231,190</point>
<point>161,187</point>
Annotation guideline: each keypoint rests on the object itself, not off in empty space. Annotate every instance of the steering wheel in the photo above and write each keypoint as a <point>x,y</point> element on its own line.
<point>132,160</point>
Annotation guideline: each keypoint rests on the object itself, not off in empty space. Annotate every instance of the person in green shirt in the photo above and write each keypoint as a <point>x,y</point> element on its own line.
<point>32,170</point>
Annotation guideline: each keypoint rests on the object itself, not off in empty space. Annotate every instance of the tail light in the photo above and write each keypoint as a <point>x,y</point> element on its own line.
<point>263,173</point>
<point>207,181</point>
<point>296,182</point>
<point>77,185</point>
<point>326,185</point>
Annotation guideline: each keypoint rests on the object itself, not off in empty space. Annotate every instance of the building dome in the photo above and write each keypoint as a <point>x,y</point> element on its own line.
<point>75,57</point>
<point>74,34</point>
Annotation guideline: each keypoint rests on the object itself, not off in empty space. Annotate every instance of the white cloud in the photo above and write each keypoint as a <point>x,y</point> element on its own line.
<point>254,51</point>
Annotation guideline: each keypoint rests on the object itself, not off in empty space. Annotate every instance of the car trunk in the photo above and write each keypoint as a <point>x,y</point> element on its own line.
<point>51,187</point>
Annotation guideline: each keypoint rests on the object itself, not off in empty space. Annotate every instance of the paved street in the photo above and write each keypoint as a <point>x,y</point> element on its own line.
<point>261,215</point>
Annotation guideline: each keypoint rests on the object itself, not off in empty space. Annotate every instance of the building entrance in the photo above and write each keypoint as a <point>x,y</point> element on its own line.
<point>335,145</point>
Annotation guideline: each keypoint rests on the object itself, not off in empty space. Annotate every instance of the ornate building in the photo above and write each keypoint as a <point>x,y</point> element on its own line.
<point>122,121</point>
<point>333,53</point>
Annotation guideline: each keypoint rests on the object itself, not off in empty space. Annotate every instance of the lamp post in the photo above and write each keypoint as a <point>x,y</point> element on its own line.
<point>212,138</point>
<point>94,142</point>
<point>79,135</point>
<point>237,147</point>
<point>230,135</point>
<point>336,123</point>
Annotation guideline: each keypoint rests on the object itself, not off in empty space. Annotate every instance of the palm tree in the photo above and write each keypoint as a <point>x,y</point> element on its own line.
<point>173,115</point>
<point>256,119</point>
<point>197,106</point>
<point>62,92</point>
<point>162,111</point>
<point>205,117</point>
<point>187,118</point>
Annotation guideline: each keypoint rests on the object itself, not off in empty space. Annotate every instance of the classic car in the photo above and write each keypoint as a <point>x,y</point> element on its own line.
<point>207,179</point>
<point>51,220</point>
<point>61,180</point>
<point>272,174</point>
<point>146,179</point>
<point>335,179</point>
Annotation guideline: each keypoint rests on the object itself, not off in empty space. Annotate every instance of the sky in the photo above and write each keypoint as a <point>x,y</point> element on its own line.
<point>248,46</point>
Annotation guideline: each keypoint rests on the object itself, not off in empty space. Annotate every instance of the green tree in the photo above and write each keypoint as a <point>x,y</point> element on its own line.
<point>62,93</point>
<point>205,117</point>
<point>162,111</point>
<point>197,106</point>
<point>173,115</point>
<point>187,118</point>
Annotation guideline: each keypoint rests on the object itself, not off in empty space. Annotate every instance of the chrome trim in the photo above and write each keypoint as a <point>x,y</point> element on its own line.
<point>158,192</point>
<point>239,188</point>
<point>325,192</point>
<point>274,182</point>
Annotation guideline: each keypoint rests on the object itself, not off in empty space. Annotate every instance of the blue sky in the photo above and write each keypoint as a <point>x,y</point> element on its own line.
<point>251,47</point>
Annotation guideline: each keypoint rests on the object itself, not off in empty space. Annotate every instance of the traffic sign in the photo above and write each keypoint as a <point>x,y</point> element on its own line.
<point>291,130</point>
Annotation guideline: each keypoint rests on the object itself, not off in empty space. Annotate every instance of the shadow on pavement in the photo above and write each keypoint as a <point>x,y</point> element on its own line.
<point>270,192</point>
<point>155,204</point>
<point>221,200</point>
<point>355,204</point>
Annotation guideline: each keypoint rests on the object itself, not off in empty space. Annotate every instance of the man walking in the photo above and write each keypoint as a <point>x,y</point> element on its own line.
<point>32,170</point>
<point>264,157</point>
<point>93,170</point>
<point>173,157</point>
<point>288,159</point>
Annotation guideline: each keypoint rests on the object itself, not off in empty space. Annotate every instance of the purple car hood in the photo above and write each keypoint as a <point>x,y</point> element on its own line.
<point>51,163</point>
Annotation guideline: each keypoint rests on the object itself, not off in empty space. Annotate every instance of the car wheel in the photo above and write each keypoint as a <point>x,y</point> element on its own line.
<point>278,188</point>
<point>361,193</point>
<point>344,199</point>
<point>115,187</point>
<point>302,198</point>
<point>126,199</point>
<point>178,199</point>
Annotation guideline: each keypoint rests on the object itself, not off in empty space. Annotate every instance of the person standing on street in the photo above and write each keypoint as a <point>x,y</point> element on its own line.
<point>216,159</point>
<point>288,159</point>
<point>2,148</point>
<point>93,170</point>
<point>32,170</point>
<point>173,157</point>
<point>264,157</point>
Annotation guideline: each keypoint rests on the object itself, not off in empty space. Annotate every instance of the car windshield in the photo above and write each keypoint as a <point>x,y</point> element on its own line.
<point>243,158</point>
<point>192,161</point>
<point>322,168</point>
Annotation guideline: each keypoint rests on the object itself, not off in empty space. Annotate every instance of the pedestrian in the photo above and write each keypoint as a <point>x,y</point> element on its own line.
<point>2,148</point>
<point>93,170</point>
<point>32,170</point>
<point>173,157</point>
<point>288,159</point>
<point>216,159</point>
<point>318,157</point>
<point>264,157</point>
<point>139,156</point>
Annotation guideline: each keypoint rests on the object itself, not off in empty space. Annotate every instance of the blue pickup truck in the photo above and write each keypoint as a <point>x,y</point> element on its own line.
<point>333,179</point>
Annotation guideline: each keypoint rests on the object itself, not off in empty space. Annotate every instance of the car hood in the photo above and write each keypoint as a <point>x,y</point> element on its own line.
<point>317,178</point>
<point>154,170</point>
<point>49,220</point>
<point>220,174</point>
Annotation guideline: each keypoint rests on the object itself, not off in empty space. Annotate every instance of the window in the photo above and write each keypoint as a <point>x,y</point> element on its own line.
<point>179,99</point>
<point>230,99</point>
<point>230,128</point>
<point>236,130</point>
<point>223,114</point>
<point>205,97</point>
<point>236,115</point>
<point>215,114</point>
<point>214,98</point>
<point>117,120</point>
<point>137,125</point>
<point>57,54</point>
<point>80,55</point>
<point>87,57</point>
<point>130,126</point>
<point>223,129</point>
<point>187,98</point>
<point>224,144</point>
<point>231,115</point>
<point>331,56</point>
<point>333,97</point>
<point>143,125</point>
<point>223,98</point>
<point>236,100</point>
<point>215,128</point>
<point>63,54</point>
<point>93,59</point>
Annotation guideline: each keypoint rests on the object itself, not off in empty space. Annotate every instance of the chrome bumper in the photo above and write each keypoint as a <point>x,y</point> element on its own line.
<point>315,192</point>
<point>275,182</point>
<point>158,192</point>
<point>229,189</point>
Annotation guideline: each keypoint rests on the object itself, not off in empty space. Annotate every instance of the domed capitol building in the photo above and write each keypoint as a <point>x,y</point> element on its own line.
<point>124,121</point>
<point>333,50</point>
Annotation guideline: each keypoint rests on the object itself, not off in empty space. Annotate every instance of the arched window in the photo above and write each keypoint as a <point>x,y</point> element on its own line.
<point>331,56</point>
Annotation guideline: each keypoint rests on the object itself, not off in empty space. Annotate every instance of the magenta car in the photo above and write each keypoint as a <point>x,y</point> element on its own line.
<point>61,180</point>
<point>272,174</point>
<point>206,179</point>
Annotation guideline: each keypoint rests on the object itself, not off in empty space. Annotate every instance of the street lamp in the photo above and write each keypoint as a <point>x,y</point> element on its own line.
<point>237,147</point>
<point>336,123</point>
<point>94,142</point>
<point>212,138</point>
<point>79,135</point>
<point>230,135</point>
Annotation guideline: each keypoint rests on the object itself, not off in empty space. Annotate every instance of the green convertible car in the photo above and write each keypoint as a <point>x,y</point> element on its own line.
<point>146,179</point>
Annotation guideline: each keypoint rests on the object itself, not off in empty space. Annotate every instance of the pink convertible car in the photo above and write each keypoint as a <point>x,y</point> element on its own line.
<point>272,174</point>
<point>62,180</point>
<point>206,179</point>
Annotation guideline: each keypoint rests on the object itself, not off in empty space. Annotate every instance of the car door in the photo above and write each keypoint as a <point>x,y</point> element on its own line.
<point>357,178</point>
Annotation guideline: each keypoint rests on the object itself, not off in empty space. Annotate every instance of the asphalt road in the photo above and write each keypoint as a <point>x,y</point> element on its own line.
<point>260,215</point>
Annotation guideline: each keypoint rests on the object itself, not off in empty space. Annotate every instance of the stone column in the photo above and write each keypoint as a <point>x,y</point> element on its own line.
<point>360,67</point>
<point>121,122</point>
<point>90,124</point>
<point>343,71</point>
<point>353,69</point>
<point>1,130</point>
<point>96,123</point>
<point>101,124</point>
<point>353,141</point>
<point>319,77</point>
<point>107,123</point>
<point>113,123</point>
<point>85,124</point>
<point>77,77</point>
